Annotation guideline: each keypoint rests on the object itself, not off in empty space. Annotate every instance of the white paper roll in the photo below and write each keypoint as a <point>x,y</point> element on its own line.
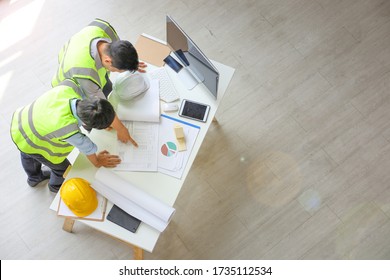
<point>130,207</point>
<point>122,192</point>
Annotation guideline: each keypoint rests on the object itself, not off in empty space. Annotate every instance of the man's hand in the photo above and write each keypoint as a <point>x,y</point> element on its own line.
<point>122,132</point>
<point>105,159</point>
<point>124,136</point>
<point>141,67</point>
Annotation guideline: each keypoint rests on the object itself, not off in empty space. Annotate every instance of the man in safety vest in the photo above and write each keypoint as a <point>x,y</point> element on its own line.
<point>47,130</point>
<point>88,58</point>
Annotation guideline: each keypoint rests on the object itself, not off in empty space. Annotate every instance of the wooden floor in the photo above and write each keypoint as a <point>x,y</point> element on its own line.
<point>298,166</point>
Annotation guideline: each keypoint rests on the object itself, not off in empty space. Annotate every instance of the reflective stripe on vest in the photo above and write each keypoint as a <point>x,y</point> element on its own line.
<point>55,134</point>
<point>100,29</point>
<point>32,144</point>
<point>74,86</point>
<point>106,28</point>
<point>43,136</point>
<point>75,72</point>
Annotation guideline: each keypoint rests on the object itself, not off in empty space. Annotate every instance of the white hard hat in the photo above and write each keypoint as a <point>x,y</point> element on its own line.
<point>128,86</point>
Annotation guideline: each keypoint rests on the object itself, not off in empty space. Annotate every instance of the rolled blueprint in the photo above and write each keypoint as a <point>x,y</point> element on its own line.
<point>130,207</point>
<point>133,200</point>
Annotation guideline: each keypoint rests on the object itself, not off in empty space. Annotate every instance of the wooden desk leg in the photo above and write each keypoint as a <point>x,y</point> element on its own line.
<point>138,253</point>
<point>68,224</point>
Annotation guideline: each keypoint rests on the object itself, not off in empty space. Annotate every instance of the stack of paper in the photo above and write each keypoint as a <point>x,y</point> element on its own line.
<point>133,200</point>
<point>141,116</point>
<point>144,108</point>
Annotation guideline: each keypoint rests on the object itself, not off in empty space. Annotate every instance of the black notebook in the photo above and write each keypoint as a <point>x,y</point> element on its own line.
<point>123,219</point>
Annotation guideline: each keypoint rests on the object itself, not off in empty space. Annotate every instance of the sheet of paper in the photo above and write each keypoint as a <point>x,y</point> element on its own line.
<point>97,215</point>
<point>171,161</point>
<point>144,108</point>
<point>143,158</point>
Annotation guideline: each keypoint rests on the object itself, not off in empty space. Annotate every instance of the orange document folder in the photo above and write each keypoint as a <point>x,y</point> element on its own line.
<point>151,50</point>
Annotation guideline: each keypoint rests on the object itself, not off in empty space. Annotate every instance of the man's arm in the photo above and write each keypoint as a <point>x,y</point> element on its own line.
<point>122,132</point>
<point>91,89</point>
<point>87,147</point>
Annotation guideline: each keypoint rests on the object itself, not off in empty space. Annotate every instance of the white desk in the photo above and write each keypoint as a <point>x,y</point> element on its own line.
<point>161,186</point>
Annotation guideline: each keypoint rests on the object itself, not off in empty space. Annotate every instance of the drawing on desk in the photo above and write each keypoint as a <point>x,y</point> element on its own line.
<point>171,161</point>
<point>97,215</point>
<point>144,157</point>
<point>140,115</point>
<point>169,149</point>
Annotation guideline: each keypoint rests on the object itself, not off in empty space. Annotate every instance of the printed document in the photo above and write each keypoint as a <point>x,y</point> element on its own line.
<point>144,157</point>
<point>171,161</point>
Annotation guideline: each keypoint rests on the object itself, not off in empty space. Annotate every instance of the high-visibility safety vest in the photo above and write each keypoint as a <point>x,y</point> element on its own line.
<point>75,60</point>
<point>42,126</point>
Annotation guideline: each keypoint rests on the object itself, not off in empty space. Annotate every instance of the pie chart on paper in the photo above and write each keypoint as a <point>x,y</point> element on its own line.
<point>169,149</point>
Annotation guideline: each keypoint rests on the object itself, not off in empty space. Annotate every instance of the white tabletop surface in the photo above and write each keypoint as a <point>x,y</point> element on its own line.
<point>164,187</point>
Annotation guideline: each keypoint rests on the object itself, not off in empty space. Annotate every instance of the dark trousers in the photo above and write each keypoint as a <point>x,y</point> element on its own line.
<point>32,165</point>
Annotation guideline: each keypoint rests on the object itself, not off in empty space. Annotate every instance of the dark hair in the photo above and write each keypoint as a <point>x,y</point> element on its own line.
<point>123,55</point>
<point>95,112</point>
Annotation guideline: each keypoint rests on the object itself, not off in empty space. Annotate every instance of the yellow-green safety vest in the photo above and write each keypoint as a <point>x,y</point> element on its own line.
<point>39,128</point>
<point>75,60</point>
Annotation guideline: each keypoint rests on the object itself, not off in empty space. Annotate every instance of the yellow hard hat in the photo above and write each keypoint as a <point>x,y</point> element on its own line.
<point>79,196</point>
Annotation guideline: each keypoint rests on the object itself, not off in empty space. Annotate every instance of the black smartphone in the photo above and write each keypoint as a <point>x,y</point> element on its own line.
<point>171,62</point>
<point>123,219</point>
<point>194,110</point>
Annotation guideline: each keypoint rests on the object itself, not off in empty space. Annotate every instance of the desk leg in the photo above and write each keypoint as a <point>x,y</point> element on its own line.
<point>68,224</point>
<point>138,253</point>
